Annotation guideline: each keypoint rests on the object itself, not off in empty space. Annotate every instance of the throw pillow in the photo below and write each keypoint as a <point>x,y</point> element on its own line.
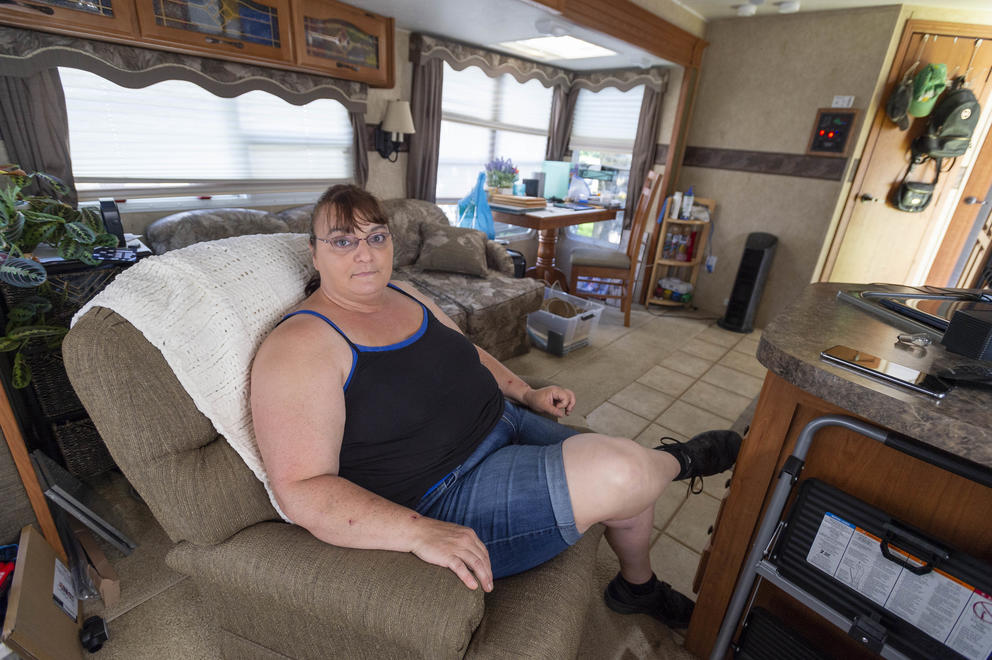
<point>453,249</point>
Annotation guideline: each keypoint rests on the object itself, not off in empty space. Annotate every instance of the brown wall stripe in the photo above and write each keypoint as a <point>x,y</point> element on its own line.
<point>764,162</point>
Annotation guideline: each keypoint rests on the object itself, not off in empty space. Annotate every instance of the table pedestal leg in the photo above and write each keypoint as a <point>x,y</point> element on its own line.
<point>544,268</point>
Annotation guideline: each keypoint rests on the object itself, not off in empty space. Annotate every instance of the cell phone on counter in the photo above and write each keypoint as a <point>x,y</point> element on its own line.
<point>886,371</point>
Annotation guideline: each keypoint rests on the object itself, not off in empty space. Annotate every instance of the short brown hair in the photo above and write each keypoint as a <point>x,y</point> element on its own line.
<point>346,206</point>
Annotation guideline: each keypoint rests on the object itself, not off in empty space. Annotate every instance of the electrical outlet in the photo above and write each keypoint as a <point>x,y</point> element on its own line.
<point>726,301</point>
<point>710,263</point>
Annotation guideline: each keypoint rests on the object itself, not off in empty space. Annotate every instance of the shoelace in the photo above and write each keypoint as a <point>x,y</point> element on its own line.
<point>695,483</point>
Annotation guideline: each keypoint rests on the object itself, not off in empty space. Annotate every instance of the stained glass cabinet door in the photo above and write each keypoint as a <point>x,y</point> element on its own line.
<point>106,17</point>
<point>248,28</point>
<point>344,41</point>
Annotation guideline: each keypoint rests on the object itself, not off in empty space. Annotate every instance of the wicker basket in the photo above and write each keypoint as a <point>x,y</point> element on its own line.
<point>51,385</point>
<point>82,448</point>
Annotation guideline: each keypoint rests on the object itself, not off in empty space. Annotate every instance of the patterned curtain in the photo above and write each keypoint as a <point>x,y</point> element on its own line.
<point>645,146</point>
<point>425,107</point>
<point>25,52</point>
<point>34,126</point>
<point>560,127</point>
<point>360,148</point>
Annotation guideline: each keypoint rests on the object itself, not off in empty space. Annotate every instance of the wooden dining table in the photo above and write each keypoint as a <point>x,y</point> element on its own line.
<point>547,222</point>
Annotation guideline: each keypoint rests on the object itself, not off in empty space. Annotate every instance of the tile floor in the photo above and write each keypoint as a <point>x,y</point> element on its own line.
<point>668,374</point>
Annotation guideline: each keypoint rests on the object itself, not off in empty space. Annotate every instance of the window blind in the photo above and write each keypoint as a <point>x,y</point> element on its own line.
<point>606,120</point>
<point>176,138</point>
<point>484,118</point>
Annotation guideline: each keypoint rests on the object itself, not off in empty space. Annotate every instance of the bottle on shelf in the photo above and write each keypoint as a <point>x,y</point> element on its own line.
<point>687,199</point>
<point>681,252</point>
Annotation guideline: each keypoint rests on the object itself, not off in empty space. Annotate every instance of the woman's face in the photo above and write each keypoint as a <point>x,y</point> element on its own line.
<point>357,263</point>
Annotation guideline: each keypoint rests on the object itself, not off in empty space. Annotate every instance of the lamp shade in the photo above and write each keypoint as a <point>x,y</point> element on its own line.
<point>398,118</point>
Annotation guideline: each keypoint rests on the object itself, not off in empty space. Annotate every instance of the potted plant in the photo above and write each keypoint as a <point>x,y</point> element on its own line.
<point>500,174</point>
<point>27,221</point>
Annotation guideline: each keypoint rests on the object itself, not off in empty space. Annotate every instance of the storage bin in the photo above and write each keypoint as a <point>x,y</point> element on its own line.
<point>574,330</point>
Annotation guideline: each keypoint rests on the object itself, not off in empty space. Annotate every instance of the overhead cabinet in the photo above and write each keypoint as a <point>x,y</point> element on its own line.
<point>256,28</point>
<point>319,36</point>
<point>92,17</point>
<point>344,41</point>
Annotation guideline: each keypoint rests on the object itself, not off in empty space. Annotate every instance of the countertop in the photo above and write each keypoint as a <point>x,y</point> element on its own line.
<point>960,423</point>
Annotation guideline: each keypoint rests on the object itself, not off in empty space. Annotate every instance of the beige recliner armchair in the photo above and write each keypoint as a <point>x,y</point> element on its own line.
<point>275,590</point>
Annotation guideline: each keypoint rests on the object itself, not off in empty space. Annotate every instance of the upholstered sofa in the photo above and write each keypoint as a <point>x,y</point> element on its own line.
<point>471,278</point>
<point>271,588</point>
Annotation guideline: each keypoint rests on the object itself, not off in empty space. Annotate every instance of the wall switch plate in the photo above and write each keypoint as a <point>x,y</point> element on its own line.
<point>843,102</point>
<point>710,263</point>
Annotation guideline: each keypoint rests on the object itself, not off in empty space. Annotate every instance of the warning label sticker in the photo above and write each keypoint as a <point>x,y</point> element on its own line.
<point>952,612</point>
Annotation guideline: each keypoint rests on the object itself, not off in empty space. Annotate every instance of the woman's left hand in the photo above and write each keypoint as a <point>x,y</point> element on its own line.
<point>552,399</point>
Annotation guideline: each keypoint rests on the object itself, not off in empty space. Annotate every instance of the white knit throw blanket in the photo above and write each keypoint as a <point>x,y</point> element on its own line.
<point>207,308</point>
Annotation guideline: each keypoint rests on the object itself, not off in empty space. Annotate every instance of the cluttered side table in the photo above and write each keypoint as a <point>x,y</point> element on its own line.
<point>680,252</point>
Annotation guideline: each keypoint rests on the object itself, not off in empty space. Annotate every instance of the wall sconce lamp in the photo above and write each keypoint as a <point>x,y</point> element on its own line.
<point>395,124</point>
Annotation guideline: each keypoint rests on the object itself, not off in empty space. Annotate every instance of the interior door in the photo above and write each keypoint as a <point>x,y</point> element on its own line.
<point>876,242</point>
<point>963,239</point>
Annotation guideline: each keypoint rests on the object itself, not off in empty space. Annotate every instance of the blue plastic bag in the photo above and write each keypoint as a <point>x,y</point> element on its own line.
<point>474,211</point>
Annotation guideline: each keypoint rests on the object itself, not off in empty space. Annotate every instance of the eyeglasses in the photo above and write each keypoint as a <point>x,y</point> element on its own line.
<point>345,244</point>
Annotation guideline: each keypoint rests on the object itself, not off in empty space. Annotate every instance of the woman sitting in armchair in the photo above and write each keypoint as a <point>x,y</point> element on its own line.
<point>381,426</point>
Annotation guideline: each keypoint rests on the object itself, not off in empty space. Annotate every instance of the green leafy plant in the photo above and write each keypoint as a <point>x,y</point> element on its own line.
<point>26,221</point>
<point>26,323</point>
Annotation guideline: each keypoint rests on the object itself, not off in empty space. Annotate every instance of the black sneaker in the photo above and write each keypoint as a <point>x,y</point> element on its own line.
<point>663,603</point>
<point>711,452</point>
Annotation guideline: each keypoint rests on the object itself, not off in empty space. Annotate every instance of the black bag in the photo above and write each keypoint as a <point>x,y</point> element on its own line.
<point>951,125</point>
<point>915,196</point>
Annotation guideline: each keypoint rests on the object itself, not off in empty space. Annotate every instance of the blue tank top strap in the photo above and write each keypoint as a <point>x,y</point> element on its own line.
<point>351,345</point>
<point>408,295</point>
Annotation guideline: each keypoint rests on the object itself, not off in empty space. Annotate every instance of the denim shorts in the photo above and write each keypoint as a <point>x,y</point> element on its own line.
<point>512,491</point>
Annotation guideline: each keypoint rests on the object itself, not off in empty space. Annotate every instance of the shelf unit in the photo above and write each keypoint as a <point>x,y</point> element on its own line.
<point>687,271</point>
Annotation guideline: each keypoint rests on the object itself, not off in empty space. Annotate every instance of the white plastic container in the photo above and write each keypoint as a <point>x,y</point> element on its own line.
<point>574,330</point>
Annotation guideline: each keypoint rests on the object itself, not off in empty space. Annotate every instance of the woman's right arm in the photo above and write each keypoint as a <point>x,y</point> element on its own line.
<point>297,401</point>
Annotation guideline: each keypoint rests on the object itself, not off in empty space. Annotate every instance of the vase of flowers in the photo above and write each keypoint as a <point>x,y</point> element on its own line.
<point>500,174</point>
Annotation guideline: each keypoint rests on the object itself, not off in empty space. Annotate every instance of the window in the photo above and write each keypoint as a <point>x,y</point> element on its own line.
<point>603,131</point>
<point>483,118</point>
<point>175,138</point>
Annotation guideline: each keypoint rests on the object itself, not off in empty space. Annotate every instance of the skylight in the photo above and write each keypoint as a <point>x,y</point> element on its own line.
<point>555,48</point>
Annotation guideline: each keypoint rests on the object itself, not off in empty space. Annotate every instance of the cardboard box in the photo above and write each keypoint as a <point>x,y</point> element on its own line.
<point>42,621</point>
<point>103,575</point>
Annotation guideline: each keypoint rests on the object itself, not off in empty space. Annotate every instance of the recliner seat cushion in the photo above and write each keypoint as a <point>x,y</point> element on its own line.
<point>600,258</point>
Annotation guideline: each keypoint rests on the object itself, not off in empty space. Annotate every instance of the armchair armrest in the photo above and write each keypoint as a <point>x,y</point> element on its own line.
<point>498,259</point>
<point>339,601</point>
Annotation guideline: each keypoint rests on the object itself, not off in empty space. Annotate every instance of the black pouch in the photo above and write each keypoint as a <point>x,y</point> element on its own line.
<point>913,196</point>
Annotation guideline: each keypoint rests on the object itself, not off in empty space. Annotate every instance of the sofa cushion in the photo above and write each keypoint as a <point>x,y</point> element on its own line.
<point>297,218</point>
<point>490,304</point>
<point>406,217</point>
<point>181,229</point>
<point>453,250</point>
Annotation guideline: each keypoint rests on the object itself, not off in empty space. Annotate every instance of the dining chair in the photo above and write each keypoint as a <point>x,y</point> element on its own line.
<point>617,268</point>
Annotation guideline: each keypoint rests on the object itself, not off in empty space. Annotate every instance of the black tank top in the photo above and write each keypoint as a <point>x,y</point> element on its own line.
<point>415,410</point>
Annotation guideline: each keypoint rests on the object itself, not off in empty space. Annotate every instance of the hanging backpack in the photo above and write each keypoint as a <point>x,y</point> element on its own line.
<point>949,129</point>
<point>951,124</point>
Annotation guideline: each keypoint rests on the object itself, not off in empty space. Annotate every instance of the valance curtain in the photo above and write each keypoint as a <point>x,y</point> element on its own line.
<point>427,52</point>
<point>23,52</point>
<point>34,126</point>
